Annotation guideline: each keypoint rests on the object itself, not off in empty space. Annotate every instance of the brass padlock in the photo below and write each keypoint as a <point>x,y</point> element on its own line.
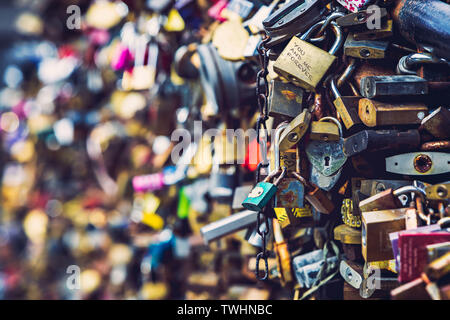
<point>324,131</point>
<point>385,32</point>
<point>365,49</point>
<point>285,100</point>
<point>295,130</point>
<point>304,64</point>
<point>376,226</point>
<point>376,113</point>
<point>347,107</point>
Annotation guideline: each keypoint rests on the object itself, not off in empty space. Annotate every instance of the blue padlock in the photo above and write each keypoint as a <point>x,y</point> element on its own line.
<point>263,192</point>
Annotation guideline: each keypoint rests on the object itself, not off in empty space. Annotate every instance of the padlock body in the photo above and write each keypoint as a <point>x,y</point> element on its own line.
<point>285,100</point>
<point>324,131</point>
<point>319,200</point>
<point>260,196</point>
<point>303,64</point>
<point>347,107</point>
<point>380,201</point>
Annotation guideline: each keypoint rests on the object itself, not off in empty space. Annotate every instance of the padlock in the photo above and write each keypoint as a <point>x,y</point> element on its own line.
<point>385,32</point>
<point>358,20</point>
<point>388,199</point>
<point>381,140</point>
<point>315,196</point>
<point>439,191</point>
<point>376,226</point>
<point>295,130</point>
<point>365,49</point>
<point>419,163</point>
<point>263,192</point>
<point>324,131</point>
<point>285,100</point>
<point>347,107</point>
<point>350,275</point>
<point>399,85</point>
<point>292,18</point>
<point>438,123</point>
<point>376,113</point>
<point>327,156</point>
<point>304,64</point>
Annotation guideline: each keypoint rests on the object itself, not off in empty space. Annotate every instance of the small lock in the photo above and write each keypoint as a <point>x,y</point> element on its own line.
<point>365,49</point>
<point>263,192</point>
<point>378,113</point>
<point>285,100</point>
<point>388,199</point>
<point>385,32</point>
<point>346,106</point>
<point>304,64</point>
<point>327,157</point>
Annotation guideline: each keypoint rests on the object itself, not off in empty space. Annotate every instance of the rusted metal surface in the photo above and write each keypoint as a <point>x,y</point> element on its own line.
<point>422,163</point>
<point>435,145</point>
<point>424,23</point>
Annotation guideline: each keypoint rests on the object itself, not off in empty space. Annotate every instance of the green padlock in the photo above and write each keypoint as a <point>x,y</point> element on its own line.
<point>263,192</point>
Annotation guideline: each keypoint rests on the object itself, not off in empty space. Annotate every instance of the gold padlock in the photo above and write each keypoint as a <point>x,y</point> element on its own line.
<point>304,64</point>
<point>324,131</point>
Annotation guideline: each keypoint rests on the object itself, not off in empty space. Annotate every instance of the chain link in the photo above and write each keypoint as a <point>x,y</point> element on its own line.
<point>262,82</point>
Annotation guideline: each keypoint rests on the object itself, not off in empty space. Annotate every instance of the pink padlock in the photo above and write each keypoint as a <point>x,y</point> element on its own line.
<point>216,10</point>
<point>122,57</point>
<point>353,5</point>
<point>150,182</point>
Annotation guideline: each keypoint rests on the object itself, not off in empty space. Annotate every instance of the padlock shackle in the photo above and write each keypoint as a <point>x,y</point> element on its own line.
<point>336,122</point>
<point>278,132</point>
<point>410,189</point>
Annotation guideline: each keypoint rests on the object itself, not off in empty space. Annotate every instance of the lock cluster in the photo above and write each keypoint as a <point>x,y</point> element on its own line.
<point>225,149</point>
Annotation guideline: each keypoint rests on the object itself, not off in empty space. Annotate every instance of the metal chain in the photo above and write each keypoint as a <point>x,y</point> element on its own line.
<point>261,122</point>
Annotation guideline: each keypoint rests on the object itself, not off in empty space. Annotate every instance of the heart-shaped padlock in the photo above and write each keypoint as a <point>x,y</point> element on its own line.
<point>327,157</point>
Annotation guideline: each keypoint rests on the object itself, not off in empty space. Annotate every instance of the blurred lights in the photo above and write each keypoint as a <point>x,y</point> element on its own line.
<point>9,122</point>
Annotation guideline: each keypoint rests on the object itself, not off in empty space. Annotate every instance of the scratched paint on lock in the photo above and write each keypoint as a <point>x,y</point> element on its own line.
<point>290,194</point>
<point>326,156</point>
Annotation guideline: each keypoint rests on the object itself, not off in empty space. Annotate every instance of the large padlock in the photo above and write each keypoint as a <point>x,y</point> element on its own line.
<point>263,192</point>
<point>365,49</point>
<point>304,64</point>
<point>285,100</point>
<point>419,163</point>
<point>327,156</point>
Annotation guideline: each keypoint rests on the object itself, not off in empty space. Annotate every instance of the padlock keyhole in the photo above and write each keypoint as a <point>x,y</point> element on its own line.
<point>327,161</point>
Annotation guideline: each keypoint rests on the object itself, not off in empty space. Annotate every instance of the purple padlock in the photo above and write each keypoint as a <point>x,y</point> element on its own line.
<point>150,182</point>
